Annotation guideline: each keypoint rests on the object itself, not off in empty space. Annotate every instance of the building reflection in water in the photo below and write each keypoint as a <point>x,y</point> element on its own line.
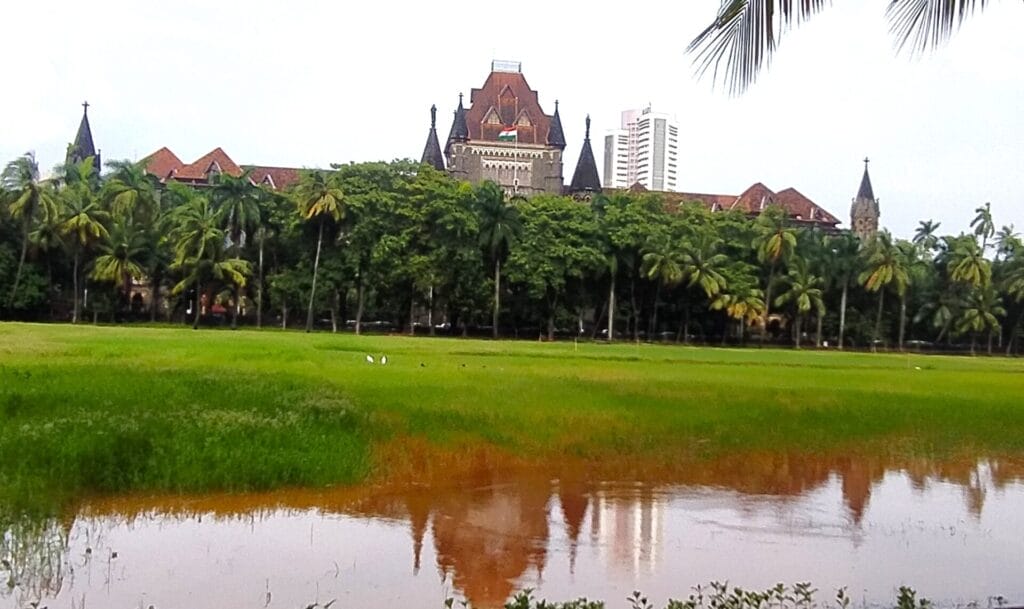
<point>502,533</point>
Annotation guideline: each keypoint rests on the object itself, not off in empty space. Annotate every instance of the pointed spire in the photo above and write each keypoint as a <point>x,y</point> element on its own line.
<point>432,151</point>
<point>585,178</point>
<point>460,131</point>
<point>83,147</point>
<point>866,192</point>
<point>556,137</point>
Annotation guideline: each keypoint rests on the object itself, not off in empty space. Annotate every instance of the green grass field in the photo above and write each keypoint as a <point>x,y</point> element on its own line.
<point>87,410</point>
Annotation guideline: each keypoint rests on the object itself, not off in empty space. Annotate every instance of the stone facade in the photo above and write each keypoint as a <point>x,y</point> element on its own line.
<point>529,164</point>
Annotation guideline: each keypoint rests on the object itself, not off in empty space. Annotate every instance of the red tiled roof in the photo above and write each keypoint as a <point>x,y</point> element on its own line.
<point>201,168</point>
<point>162,163</point>
<point>797,206</point>
<point>278,178</point>
<point>510,96</point>
<point>754,199</point>
<point>802,208</point>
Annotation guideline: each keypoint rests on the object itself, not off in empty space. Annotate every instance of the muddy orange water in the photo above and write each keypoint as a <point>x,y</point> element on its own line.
<point>954,531</point>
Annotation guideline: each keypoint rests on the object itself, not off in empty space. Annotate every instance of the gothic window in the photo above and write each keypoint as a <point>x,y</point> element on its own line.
<point>492,118</point>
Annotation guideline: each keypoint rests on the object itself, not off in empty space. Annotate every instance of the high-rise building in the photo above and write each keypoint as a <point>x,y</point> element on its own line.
<point>644,150</point>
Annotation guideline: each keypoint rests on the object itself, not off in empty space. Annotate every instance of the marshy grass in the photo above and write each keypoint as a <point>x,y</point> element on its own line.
<point>87,410</point>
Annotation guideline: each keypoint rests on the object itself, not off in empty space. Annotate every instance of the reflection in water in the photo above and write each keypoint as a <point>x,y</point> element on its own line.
<point>952,530</point>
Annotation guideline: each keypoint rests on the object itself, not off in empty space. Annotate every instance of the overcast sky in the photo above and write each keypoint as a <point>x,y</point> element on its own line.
<point>309,83</point>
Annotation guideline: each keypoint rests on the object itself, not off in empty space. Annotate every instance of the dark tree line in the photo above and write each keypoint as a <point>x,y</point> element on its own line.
<point>401,247</point>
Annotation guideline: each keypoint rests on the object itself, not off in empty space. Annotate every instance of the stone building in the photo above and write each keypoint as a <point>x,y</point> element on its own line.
<point>505,136</point>
<point>864,211</point>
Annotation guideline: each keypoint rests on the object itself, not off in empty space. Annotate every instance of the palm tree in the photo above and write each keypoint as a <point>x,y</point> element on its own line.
<point>741,299</point>
<point>884,267</point>
<point>129,192</point>
<point>660,264</point>
<point>83,222</point>
<point>774,244</point>
<point>983,225</point>
<point>122,255</point>
<point>925,237</point>
<point>1013,286</point>
<point>745,33</point>
<point>915,267</point>
<point>237,201</point>
<point>981,312</point>
<point>318,199</point>
<point>967,263</point>
<point>27,199</point>
<point>845,263</point>
<point>1007,242</point>
<point>803,289</point>
<point>499,230</point>
<point>199,250</point>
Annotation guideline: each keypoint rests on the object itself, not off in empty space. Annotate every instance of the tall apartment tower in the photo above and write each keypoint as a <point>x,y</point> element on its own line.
<point>645,150</point>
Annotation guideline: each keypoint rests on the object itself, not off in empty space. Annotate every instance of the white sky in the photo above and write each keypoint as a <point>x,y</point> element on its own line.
<point>320,82</point>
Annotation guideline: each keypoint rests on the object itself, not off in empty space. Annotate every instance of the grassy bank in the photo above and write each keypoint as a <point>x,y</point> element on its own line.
<point>85,409</point>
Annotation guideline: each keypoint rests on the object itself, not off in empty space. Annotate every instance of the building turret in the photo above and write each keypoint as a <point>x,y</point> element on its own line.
<point>460,130</point>
<point>864,212</point>
<point>432,151</point>
<point>585,181</point>
<point>83,147</point>
<point>555,135</point>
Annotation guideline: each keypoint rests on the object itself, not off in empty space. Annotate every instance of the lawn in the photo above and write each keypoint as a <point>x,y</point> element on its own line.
<point>86,410</point>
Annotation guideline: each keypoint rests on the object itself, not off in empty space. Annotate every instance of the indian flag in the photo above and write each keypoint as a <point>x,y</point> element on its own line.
<point>508,134</point>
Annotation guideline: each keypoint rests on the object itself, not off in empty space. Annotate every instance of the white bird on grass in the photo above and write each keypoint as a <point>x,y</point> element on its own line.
<point>383,360</point>
<point>369,359</point>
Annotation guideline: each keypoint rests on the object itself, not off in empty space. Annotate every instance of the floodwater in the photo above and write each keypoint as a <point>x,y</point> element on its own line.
<point>953,531</point>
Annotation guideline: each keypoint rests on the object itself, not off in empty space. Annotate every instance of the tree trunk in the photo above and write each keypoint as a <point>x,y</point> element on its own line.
<point>237,307</point>
<point>412,317</point>
<point>597,320</point>
<point>284,316</point>
<point>767,305</point>
<point>743,330</point>
<point>611,310</point>
<point>195,318</point>
<point>903,318</point>
<point>990,341</point>
<point>878,321</point>
<point>1013,334</point>
<point>974,341</point>
<point>74,272</point>
<point>686,326</point>
<point>635,314</point>
<point>652,329</point>
<point>497,299</point>
<point>21,265</point>
<point>154,295</point>
<point>817,338</point>
<point>360,291</point>
<point>796,330</point>
<point>259,288</point>
<point>430,310</point>
<point>842,317</point>
<point>334,312</point>
<point>551,327</point>
<point>316,267</point>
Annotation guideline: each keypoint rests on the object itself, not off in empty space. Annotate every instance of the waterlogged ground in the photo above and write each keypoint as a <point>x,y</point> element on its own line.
<point>952,530</point>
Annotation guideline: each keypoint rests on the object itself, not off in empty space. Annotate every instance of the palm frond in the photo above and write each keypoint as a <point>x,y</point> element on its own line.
<point>742,38</point>
<point>926,24</point>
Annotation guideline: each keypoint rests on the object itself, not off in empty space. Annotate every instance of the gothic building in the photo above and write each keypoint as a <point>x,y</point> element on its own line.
<point>83,147</point>
<point>504,136</point>
<point>864,211</point>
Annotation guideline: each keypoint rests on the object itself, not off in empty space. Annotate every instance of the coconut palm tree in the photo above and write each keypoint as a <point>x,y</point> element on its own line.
<point>967,263</point>
<point>803,289</point>
<point>745,33</point>
<point>741,299</point>
<point>122,255</point>
<point>774,244</point>
<point>237,202</point>
<point>983,225</point>
<point>27,199</point>
<point>883,267</point>
<point>499,230</point>
<point>83,223</point>
<point>660,264</point>
<point>199,249</point>
<point>129,192</point>
<point>925,237</point>
<point>1007,241</point>
<point>844,263</point>
<point>319,199</point>
<point>980,313</point>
